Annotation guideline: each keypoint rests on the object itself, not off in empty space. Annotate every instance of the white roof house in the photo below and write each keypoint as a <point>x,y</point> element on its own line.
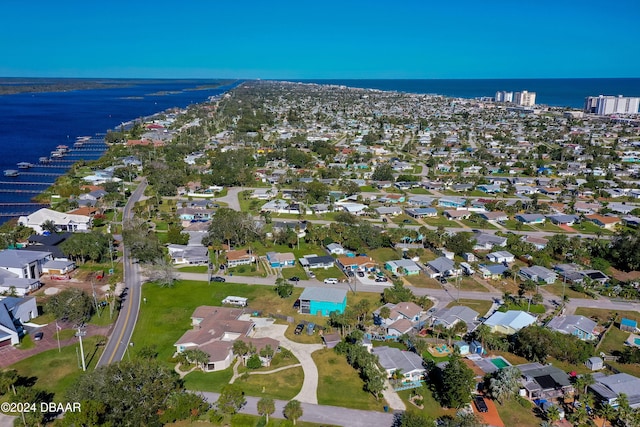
<point>510,322</point>
<point>393,359</point>
<point>62,220</point>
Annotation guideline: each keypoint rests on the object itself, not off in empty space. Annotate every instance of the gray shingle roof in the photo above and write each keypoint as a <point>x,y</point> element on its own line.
<point>324,294</point>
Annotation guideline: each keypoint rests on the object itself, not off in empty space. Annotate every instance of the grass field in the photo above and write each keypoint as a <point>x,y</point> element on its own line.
<point>432,408</point>
<point>513,224</point>
<point>557,289</point>
<point>439,221</point>
<point>382,255</point>
<point>193,269</point>
<point>340,385</point>
<point>57,371</point>
<point>481,306</point>
<point>208,381</point>
<point>422,281</point>
<point>469,284</point>
<point>590,227</point>
<point>283,385</point>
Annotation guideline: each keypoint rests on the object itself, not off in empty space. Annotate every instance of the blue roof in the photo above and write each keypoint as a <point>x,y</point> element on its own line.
<point>496,268</point>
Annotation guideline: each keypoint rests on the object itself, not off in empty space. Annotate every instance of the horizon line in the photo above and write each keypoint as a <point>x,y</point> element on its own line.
<point>315,78</point>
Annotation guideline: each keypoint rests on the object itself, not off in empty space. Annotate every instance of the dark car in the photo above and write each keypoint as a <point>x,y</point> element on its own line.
<point>218,279</point>
<point>295,279</point>
<point>350,273</point>
<point>360,274</point>
<point>481,405</point>
<point>406,221</point>
<point>38,336</point>
<point>299,329</point>
<point>443,280</point>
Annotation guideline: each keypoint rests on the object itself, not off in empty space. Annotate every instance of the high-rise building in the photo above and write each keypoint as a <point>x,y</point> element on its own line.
<point>525,98</point>
<point>604,105</point>
<point>504,96</point>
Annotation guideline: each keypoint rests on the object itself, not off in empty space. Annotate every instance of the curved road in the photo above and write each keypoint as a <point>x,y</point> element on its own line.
<point>119,340</point>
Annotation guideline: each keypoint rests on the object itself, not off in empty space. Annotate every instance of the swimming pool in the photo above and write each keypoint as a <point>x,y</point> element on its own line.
<point>636,341</point>
<point>499,362</point>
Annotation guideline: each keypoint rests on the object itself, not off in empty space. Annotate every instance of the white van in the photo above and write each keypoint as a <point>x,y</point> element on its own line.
<point>331,281</point>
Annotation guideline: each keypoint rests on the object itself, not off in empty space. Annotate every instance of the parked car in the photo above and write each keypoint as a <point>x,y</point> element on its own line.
<point>360,274</point>
<point>312,275</point>
<point>295,279</point>
<point>381,279</point>
<point>298,329</point>
<point>218,279</point>
<point>443,280</point>
<point>481,405</point>
<point>38,336</point>
<point>350,273</point>
<point>331,281</point>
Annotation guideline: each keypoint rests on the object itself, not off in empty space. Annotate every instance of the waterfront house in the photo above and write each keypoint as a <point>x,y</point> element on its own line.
<point>63,221</point>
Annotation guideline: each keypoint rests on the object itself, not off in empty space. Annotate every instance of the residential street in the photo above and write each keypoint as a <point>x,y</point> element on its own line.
<point>320,414</point>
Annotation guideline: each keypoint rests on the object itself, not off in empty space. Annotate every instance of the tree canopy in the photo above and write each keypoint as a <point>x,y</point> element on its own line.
<point>71,304</point>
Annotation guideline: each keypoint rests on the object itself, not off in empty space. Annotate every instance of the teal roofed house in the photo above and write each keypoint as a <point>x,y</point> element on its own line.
<point>323,301</point>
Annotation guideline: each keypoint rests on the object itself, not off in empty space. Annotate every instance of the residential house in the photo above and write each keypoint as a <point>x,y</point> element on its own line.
<point>486,241</point>
<point>501,257</point>
<point>281,260</point>
<point>335,249</point>
<point>313,261</point>
<point>195,214</point>
<point>448,317</point>
<point>609,388</point>
<point>492,271</point>
<point>509,322</point>
<point>538,242</point>
<point>494,216</point>
<point>48,243</point>
<point>457,214</point>
<point>561,219</point>
<point>409,364</point>
<point>576,325</point>
<point>239,257</point>
<point>186,254</point>
<point>538,274</point>
<point>323,301</point>
<point>389,210</point>
<point>451,203</point>
<point>441,267</point>
<point>63,221</point>
<point>58,268</point>
<point>421,212</point>
<point>420,200</point>
<point>404,317</point>
<point>24,264</point>
<point>353,263</point>
<point>606,222</point>
<point>544,381</point>
<point>405,267</point>
<point>628,325</point>
<point>14,312</point>
<point>531,218</point>
<point>490,188</point>
<point>214,331</point>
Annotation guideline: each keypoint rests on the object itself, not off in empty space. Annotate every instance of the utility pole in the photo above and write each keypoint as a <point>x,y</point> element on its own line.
<point>80,334</point>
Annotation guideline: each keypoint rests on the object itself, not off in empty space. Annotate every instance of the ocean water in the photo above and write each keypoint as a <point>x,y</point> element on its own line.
<point>552,92</point>
<point>33,124</point>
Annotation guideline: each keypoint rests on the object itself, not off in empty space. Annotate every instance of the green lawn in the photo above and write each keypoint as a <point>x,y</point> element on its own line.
<point>513,413</point>
<point>513,224</point>
<point>340,385</point>
<point>283,385</point>
<point>368,189</point>
<point>194,269</point>
<point>469,284</point>
<point>208,381</point>
<point>402,218</point>
<point>422,281</point>
<point>549,226</point>
<point>481,306</point>
<point>557,289</point>
<point>479,224</point>
<point>57,371</point>
<point>439,221</point>
<point>590,227</point>
<point>524,305</point>
<point>432,408</point>
<point>322,274</point>
<point>382,255</point>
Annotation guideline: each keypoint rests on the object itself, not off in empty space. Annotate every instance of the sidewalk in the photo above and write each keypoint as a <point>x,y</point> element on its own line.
<point>10,355</point>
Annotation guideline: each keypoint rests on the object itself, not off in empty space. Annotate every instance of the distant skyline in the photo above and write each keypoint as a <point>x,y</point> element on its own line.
<point>320,40</point>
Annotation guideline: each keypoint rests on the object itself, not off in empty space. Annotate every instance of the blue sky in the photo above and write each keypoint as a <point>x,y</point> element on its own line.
<point>321,39</point>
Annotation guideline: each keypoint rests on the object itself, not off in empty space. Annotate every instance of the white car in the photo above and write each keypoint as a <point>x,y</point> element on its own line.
<point>331,281</point>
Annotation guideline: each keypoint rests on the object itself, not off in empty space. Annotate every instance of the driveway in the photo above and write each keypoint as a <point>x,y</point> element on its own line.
<point>308,392</point>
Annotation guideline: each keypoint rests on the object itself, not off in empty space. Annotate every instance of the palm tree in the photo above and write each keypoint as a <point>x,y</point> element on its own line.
<point>293,410</point>
<point>553,414</point>
<point>607,413</point>
<point>584,381</point>
<point>266,407</point>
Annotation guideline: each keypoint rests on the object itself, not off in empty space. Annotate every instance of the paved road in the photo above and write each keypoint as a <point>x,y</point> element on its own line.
<point>320,414</point>
<point>121,335</point>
